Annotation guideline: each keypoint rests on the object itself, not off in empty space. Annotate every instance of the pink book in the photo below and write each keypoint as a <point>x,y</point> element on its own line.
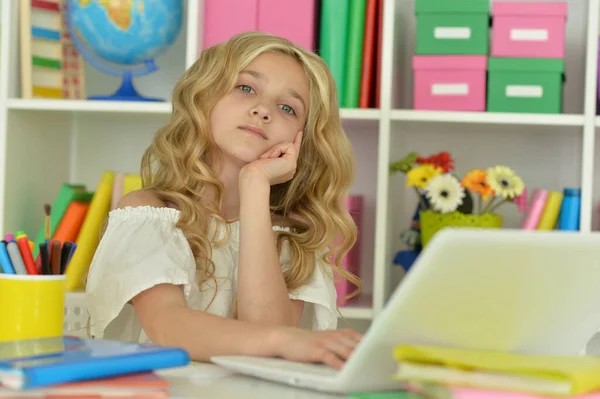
<point>221,24</point>
<point>538,203</point>
<point>292,19</point>
<point>351,262</point>
<point>474,393</point>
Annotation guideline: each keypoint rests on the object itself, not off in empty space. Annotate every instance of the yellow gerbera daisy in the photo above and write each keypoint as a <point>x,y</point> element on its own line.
<point>420,175</point>
<point>505,182</point>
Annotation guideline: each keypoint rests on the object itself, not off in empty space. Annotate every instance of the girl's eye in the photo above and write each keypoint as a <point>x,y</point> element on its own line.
<point>246,88</point>
<point>288,109</point>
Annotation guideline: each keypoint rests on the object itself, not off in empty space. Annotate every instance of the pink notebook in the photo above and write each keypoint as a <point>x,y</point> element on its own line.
<point>292,19</point>
<point>472,393</point>
<point>221,24</point>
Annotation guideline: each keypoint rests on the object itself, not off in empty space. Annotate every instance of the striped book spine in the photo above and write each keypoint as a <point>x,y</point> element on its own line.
<point>41,27</point>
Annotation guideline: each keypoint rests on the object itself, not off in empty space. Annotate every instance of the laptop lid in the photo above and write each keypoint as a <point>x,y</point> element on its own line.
<point>508,290</point>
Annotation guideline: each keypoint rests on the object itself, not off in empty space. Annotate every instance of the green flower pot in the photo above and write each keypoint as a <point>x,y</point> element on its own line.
<point>432,222</point>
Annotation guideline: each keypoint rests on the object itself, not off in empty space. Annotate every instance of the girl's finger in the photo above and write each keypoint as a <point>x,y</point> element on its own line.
<point>340,348</point>
<point>277,152</point>
<point>269,153</point>
<point>290,151</point>
<point>348,340</point>
<point>356,337</point>
<point>298,141</point>
<point>332,360</point>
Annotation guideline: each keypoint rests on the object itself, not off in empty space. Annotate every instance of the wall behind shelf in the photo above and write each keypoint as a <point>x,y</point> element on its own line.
<point>38,160</point>
<point>114,142</point>
<point>364,138</point>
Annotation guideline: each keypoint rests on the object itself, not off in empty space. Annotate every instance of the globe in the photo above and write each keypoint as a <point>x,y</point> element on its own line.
<point>124,37</point>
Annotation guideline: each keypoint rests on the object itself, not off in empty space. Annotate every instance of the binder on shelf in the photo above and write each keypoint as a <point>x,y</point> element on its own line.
<point>89,234</point>
<point>333,41</point>
<point>291,19</point>
<point>220,23</point>
<point>354,56</point>
<point>67,194</point>
<point>367,78</point>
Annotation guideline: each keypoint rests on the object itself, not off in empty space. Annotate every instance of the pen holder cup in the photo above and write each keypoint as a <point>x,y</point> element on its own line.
<point>33,306</point>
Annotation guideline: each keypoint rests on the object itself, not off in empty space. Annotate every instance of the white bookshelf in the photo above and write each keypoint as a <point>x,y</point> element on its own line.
<point>45,142</point>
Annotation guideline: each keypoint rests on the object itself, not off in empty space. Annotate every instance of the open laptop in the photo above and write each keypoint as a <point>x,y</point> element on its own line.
<point>507,290</point>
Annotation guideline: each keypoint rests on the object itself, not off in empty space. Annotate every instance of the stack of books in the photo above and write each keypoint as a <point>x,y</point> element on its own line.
<point>70,367</point>
<point>451,373</point>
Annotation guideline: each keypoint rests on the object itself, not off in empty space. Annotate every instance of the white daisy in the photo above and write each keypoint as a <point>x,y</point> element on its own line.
<point>444,192</point>
<point>505,182</point>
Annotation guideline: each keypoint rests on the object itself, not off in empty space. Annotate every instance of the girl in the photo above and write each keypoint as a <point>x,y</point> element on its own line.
<point>224,250</point>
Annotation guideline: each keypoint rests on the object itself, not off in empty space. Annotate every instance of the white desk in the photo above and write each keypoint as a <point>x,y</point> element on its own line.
<point>208,381</point>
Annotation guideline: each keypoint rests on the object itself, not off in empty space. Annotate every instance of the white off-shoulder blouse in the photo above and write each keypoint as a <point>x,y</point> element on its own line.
<point>142,247</point>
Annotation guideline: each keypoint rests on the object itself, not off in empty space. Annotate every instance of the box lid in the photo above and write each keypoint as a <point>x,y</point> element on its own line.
<point>547,9</point>
<point>452,6</point>
<point>527,64</point>
<point>445,62</point>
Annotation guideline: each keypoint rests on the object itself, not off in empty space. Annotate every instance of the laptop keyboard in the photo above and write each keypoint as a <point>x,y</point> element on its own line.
<point>282,364</point>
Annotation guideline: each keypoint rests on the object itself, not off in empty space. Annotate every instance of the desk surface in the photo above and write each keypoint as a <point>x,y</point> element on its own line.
<point>213,382</point>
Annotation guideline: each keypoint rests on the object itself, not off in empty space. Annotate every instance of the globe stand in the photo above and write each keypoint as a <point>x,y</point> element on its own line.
<point>126,92</point>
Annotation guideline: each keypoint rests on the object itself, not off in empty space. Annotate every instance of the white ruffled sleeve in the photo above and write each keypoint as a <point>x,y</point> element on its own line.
<point>319,294</point>
<point>141,247</point>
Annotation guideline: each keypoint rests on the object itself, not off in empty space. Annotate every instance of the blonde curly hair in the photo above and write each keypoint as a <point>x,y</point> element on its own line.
<point>175,167</point>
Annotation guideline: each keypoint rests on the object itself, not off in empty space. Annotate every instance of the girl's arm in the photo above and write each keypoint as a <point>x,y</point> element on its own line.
<point>168,321</point>
<point>262,293</point>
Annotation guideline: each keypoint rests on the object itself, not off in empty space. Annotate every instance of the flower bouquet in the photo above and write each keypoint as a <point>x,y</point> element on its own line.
<point>446,200</point>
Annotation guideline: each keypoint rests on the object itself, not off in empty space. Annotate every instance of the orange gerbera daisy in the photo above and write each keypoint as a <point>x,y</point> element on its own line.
<point>475,182</point>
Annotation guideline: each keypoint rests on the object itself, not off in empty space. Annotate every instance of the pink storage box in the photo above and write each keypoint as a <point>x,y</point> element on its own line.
<point>450,83</point>
<point>529,30</point>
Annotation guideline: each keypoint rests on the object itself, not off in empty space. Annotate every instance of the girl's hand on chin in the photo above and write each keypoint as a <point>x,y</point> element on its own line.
<point>277,165</point>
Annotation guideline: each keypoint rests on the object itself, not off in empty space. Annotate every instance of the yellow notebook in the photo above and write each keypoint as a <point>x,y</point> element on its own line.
<point>551,211</point>
<point>89,234</point>
<point>549,375</point>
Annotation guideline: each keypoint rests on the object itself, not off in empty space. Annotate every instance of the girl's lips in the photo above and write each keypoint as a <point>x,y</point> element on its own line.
<point>254,130</point>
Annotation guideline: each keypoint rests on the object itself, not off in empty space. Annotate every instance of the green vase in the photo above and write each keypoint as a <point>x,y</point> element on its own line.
<point>432,222</point>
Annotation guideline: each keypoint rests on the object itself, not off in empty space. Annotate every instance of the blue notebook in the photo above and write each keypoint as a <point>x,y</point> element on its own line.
<point>50,361</point>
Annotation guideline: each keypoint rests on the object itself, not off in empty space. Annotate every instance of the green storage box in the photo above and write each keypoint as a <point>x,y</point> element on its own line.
<point>458,27</point>
<point>528,85</point>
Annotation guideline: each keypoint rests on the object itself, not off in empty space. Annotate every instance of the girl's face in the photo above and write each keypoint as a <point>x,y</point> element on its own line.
<point>267,106</point>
